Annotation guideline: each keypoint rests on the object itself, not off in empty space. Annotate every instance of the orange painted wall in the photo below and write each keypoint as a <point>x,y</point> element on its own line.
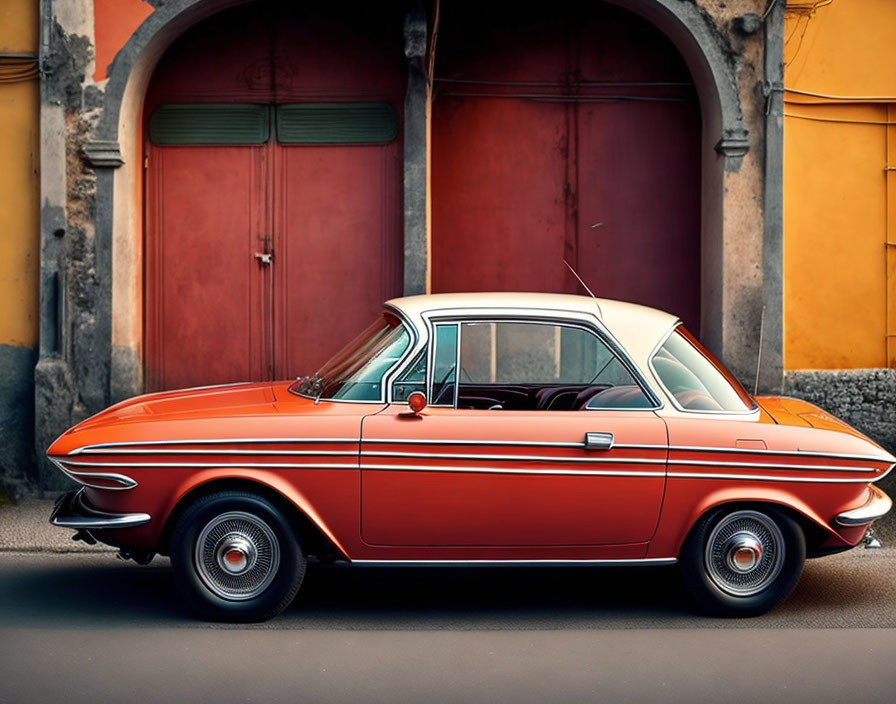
<point>19,175</point>
<point>836,200</point>
<point>114,23</point>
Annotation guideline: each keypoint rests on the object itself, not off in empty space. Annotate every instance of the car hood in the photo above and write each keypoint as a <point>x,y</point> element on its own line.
<point>149,415</point>
<point>205,401</point>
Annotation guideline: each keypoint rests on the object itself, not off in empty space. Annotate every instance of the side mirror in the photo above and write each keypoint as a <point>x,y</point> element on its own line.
<point>416,402</point>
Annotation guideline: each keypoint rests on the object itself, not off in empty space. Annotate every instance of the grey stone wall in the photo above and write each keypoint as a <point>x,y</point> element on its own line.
<point>16,418</point>
<point>864,398</point>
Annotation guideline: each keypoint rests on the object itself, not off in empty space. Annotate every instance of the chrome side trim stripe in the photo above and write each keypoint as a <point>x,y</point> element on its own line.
<point>462,470</point>
<point>123,481</point>
<point>639,562</point>
<point>495,470</point>
<point>615,460</point>
<point>216,441</point>
<point>515,458</point>
<point>297,453</point>
<point>789,453</point>
<point>761,465</point>
<point>622,446</point>
<point>760,478</point>
<point>609,473</point>
<point>102,447</point>
<point>219,465</point>
<point>521,443</point>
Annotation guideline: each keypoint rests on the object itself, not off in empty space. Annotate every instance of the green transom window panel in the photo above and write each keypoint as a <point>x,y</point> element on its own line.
<point>336,123</point>
<point>214,124</point>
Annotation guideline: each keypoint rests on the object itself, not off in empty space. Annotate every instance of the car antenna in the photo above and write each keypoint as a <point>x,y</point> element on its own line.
<point>759,354</point>
<point>585,286</point>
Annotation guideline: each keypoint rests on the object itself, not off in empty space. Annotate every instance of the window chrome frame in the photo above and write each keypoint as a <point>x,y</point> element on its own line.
<point>717,414</point>
<point>389,374</point>
<point>538,316</point>
<point>431,360</point>
<point>418,342</point>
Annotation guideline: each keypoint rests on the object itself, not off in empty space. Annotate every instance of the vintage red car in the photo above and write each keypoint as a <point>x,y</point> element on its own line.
<point>508,429</point>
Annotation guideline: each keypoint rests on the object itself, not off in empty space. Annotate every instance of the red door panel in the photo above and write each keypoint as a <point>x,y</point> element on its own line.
<point>569,131</point>
<point>498,213</point>
<point>415,492</point>
<point>330,215</point>
<point>333,266</point>
<point>205,294</point>
<point>638,229</point>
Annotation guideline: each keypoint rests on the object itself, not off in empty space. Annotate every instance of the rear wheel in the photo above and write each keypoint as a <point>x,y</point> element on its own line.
<point>743,562</point>
<point>236,558</point>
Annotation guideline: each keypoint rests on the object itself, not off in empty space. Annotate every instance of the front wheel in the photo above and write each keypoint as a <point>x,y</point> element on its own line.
<point>236,558</point>
<point>743,562</point>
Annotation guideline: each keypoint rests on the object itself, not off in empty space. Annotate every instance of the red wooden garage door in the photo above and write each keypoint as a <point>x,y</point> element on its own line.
<point>565,130</point>
<point>273,191</point>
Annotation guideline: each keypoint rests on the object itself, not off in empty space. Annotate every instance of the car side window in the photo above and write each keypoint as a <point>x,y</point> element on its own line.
<point>541,366</point>
<point>411,380</point>
<point>444,365</point>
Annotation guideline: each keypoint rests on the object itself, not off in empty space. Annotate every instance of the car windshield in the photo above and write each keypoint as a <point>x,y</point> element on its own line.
<point>355,372</point>
<point>696,380</point>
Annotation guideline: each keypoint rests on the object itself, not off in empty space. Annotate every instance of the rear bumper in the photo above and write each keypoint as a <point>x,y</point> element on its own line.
<point>877,506</point>
<point>73,511</point>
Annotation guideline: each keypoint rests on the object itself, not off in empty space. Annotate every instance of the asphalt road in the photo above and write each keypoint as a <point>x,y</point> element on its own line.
<point>85,627</point>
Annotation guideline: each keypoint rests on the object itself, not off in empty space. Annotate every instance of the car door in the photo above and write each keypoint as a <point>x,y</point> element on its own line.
<point>537,434</point>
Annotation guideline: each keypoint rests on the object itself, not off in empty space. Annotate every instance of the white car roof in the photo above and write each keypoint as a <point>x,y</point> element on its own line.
<point>637,328</point>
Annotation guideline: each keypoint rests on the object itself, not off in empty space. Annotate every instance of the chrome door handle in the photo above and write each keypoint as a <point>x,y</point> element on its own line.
<point>264,257</point>
<point>598,441</point>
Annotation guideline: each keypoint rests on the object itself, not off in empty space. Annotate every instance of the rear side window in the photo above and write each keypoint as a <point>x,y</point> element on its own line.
<point>510,365</point>
<point>695,379</point>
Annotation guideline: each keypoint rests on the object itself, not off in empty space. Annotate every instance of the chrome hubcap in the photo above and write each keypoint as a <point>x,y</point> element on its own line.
<point>744,553</point>
<point>237,555</point>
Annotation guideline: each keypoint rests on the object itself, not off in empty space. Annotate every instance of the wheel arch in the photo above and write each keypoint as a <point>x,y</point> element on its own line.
<point>813,531</point>
<point>814,528</point>
<point>313,534</point>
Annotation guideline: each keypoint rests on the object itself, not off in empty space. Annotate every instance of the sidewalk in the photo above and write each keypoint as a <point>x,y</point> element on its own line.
<point>25,527</point>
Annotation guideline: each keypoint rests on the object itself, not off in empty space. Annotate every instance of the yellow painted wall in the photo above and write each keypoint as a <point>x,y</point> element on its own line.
<point>847,47</point>
<point>19,177</point>
<point>836,200</point>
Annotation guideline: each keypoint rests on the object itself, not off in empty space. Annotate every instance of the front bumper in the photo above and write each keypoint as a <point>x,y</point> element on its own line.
<point>877,506</point>
<point>73,511</point>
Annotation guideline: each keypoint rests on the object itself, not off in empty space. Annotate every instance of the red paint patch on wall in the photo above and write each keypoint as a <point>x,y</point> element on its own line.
<point>114,21</point>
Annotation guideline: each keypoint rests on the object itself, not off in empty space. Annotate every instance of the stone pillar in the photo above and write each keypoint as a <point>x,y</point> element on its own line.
<point>416,246</point>
<point>771,363</point>
<point>53,387</point>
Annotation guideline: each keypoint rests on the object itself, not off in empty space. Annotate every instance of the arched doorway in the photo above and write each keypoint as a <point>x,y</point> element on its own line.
<point>565,131</point>
<point>272,142</point>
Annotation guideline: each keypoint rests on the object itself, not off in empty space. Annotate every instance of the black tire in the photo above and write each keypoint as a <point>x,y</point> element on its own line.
<point>236,558</point>
<point>725,571</point>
